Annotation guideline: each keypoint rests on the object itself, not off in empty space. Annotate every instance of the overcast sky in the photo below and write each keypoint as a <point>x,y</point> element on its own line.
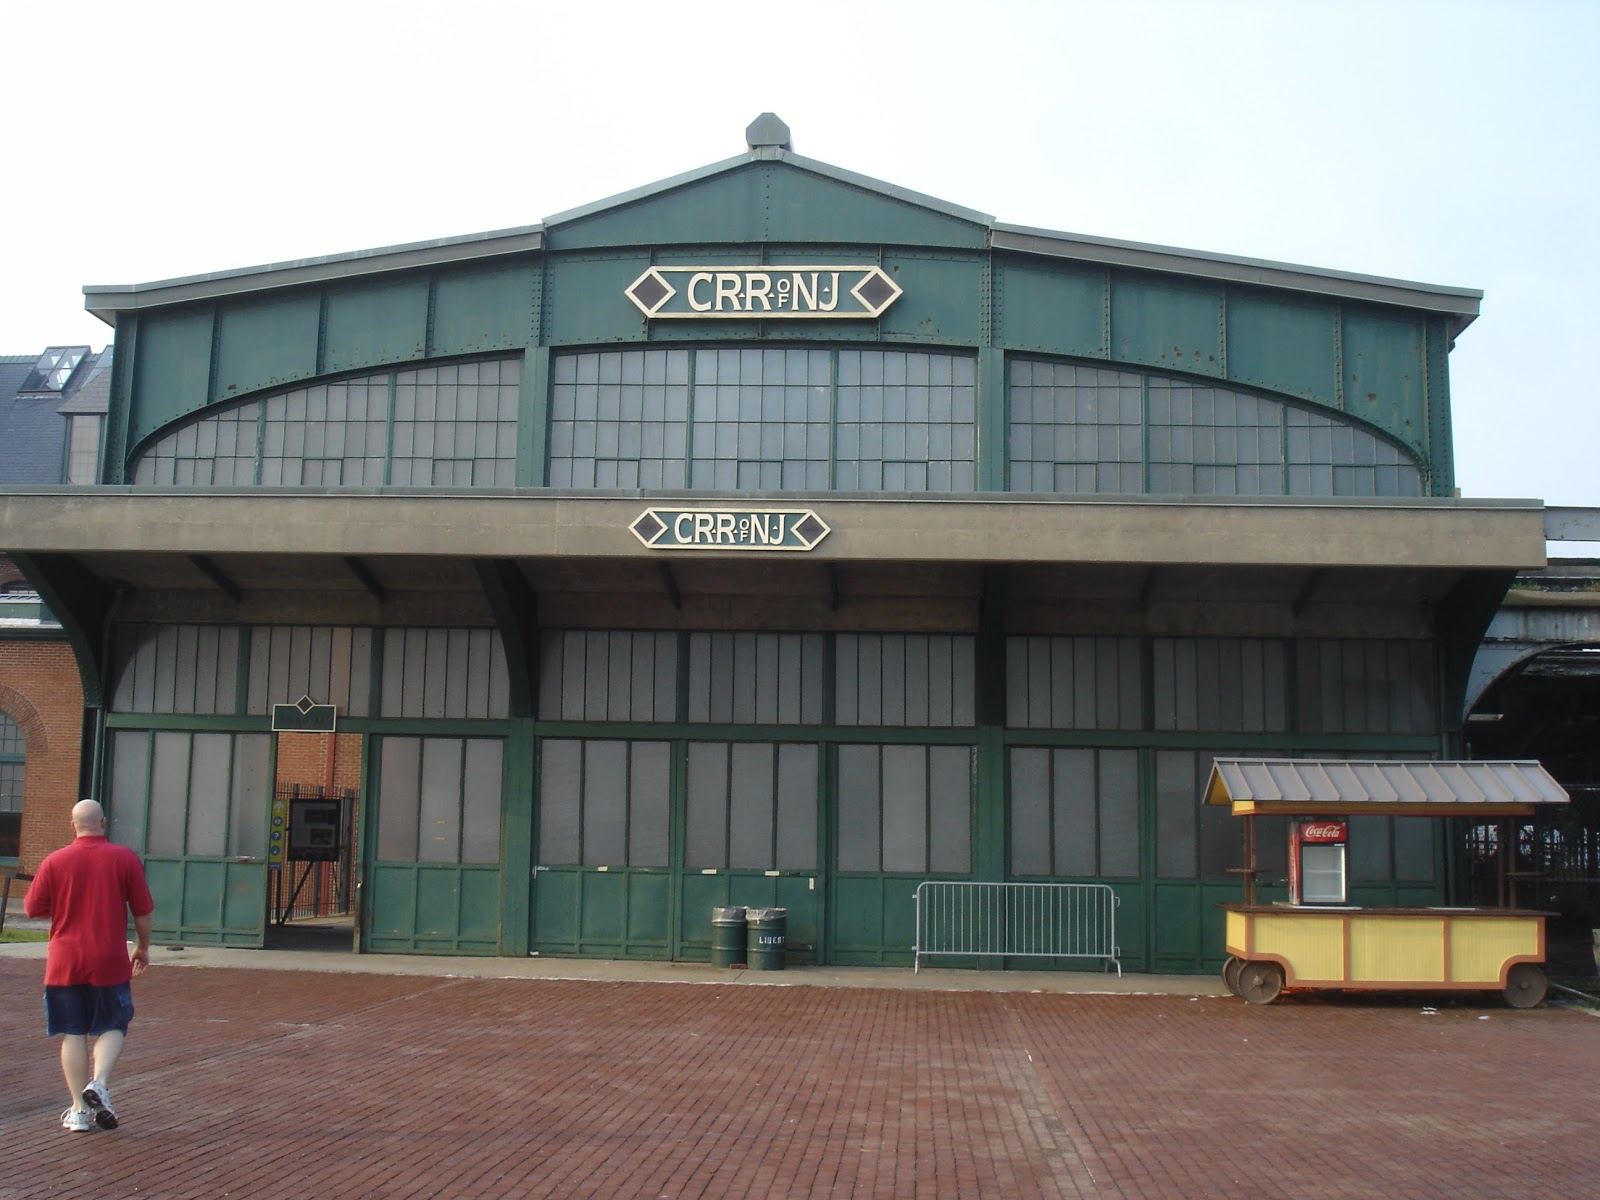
<point>1449,142</point>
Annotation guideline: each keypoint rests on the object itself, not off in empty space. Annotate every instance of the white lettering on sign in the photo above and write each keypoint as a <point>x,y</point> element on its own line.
<point>809,291</point>
<point>733,529</point>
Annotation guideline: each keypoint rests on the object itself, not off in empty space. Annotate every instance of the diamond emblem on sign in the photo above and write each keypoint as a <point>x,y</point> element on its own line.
<point>877,291</point>
<point>811,530</point>
<point>648,527</point>
<point>650,291</point>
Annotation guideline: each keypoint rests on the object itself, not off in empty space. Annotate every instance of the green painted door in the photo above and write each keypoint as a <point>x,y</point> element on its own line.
<point>638,840</point>
<point>905,813</point>
<point>194,806</point>
<point>432,874</point>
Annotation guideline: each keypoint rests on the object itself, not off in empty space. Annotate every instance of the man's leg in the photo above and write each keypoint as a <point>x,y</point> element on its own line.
<point>107,1048</point>
<point>75,1065</point>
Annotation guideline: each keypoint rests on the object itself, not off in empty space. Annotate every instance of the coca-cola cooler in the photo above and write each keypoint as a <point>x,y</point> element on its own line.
<point>1318,866</point>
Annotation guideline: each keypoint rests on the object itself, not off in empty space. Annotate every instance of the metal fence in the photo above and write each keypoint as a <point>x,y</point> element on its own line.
<point>1017,920</point>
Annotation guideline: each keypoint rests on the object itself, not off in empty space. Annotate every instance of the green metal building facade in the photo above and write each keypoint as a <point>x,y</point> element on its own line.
<point>772,536</point>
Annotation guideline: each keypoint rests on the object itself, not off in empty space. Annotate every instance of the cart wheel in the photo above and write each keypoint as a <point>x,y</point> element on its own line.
<point>1525,985</point>
<point>1260,982</point>
<point>1230,973</point>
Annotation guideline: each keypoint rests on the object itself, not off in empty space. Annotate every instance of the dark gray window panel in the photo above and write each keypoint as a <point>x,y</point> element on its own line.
<point>189,669</point>
<point>604,803</point>
<point>601,675</point>
<point>1195,840</point>
<point>756,678</point>
<point>751,806</point>
<point>13,778</point>
<point>1080,429</point>
<point>452,425</point>
<point>764,419</point>
<point>444,673</point>
<point>1230,685</point>
<point>127,808</point>
<point>399,798</point>
<point>901,680</point>
<point>1355,686</point>
<point>204,795</point>
<point>619,420</point>
<point>1073,683</point>
<point>905,809</point>
<point>439,800</point>
<point>1075,813</point>
<point>195,669</point>
<point>761,419</point>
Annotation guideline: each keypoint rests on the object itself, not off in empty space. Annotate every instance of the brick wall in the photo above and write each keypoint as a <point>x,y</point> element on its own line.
<point>40,691</point>
<point>303,760</point>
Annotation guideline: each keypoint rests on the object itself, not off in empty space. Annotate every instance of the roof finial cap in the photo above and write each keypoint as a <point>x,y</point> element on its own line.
<point>767,130</point>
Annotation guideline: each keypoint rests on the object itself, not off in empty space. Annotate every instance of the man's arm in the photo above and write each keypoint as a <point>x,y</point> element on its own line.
<point>141,954</point>
<point>36,903</point>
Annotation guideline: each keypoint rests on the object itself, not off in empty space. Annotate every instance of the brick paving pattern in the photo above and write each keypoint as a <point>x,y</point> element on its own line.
<point>270,1083</point>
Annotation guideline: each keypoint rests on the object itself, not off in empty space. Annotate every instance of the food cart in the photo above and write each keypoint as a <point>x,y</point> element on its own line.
<point>1317,939</point>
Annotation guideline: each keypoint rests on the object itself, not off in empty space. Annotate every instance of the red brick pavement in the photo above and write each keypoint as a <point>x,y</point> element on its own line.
<point>269,1083</point>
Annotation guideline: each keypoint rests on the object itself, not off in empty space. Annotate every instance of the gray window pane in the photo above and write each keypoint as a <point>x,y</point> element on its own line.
<point>169,794</point>
<point>1413,848</point>
<point>1076,833</point>
<point>1119,813</point>
<point>1177,810</point>
<point>399,778</point>
<point>905,808</point>
<point>252,795</point>
<point>706,824</point>
<point>128,802</point>
<point>649,784</point>
<point>860,808</point>
<point>480,802</point>
<point>439,826</point>
<point>208,792</point>
<point>560,792</point>
<point>751,807</point>
<point>797,808</point>
<point>950,809</point>
<point>605,826</point>
<point>1030,812</point>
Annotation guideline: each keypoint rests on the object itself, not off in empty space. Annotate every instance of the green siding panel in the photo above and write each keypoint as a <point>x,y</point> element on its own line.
<point>941,301</point>
<point>172,370</point>
<point>267,344</point>
<point>476,311</point>
<point>1284,345</point>
<point>1168,324</point>
<point>1385,376</point>
<point>376,324</point>
<point>584,301</point>
<point>1052,308</point>
<point>392,906</point>
<point>767,202</point>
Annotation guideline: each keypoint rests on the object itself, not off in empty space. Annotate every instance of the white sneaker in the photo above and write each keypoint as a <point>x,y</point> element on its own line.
<point>77,1120</point>
<point>98,1097</point>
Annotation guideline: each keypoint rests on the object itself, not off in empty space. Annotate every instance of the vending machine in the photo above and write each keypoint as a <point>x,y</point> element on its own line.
<point>1317,862</point>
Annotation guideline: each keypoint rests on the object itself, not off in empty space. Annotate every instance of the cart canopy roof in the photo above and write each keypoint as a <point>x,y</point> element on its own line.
<point>1337,785</point>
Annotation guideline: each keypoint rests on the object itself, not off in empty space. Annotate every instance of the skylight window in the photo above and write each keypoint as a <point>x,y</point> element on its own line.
<point>54,368</point>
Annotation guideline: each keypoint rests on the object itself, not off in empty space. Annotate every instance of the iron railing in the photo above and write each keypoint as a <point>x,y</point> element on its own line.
<point>1017,920</point>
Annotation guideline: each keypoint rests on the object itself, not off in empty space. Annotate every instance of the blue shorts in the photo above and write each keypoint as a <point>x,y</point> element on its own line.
<point>82,1008</point>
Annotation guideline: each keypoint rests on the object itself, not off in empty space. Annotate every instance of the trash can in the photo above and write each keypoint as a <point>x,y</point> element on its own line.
<point>768,931</point>
<point>727,937</point>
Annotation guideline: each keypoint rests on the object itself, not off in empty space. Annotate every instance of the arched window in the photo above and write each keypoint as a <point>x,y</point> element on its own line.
<point>11,779</point>
<point>450,425</point>
<point>1092,430</point>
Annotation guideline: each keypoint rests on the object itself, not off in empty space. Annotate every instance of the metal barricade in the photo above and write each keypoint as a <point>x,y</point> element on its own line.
<point>1017,920</point>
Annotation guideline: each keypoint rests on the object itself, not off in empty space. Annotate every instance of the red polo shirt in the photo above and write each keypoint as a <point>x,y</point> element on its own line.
<point>87,889</point>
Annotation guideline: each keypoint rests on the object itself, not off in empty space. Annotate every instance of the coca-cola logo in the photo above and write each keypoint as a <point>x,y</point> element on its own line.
<point>1322,831</point>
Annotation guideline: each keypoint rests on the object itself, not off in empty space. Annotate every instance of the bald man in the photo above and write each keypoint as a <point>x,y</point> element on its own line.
<point>87,889</point>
